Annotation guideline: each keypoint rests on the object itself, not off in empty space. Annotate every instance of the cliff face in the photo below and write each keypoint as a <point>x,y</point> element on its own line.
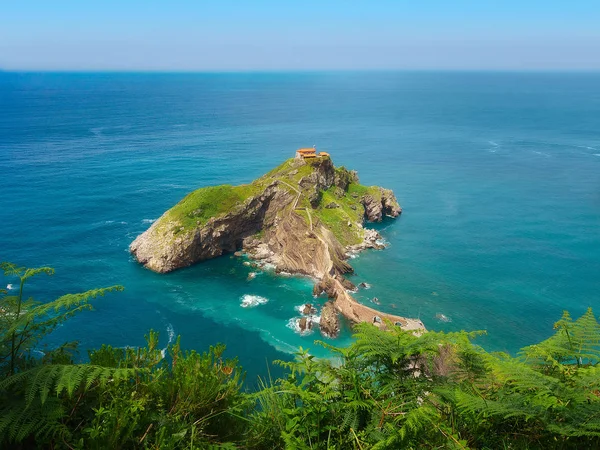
<point>168,245</point>
<point>303,217</point>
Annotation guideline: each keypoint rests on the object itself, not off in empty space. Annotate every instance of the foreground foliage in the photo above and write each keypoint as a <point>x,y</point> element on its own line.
<point>388,390</point>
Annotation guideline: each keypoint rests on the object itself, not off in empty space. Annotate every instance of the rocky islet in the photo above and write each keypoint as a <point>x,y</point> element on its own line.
<point>304,217</point>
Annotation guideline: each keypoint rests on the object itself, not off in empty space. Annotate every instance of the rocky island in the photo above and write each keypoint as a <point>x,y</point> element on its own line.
<point>304,217</point>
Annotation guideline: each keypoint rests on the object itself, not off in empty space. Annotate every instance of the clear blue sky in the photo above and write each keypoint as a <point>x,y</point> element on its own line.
<point>207,35</point>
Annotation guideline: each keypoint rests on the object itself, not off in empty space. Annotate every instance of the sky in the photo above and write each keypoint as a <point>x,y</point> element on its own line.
<point>287,35</point>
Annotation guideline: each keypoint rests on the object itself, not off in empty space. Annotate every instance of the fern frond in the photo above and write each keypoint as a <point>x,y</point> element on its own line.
<point>18,421</point>
<point>23,273</point>
<point>41,381</point>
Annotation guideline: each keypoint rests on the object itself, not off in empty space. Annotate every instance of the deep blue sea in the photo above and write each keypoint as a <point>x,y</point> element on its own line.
<point>498,175</point>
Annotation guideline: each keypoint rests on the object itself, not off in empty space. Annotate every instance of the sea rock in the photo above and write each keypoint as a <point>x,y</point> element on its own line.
<point>347,284</point>
<point>364,285</point>
<point>326,286</point>
<point>378,205</point>
<point>304,324</point>
<point>391,207</point>
<point>309,309</point>
<point>373,208</point>
<point>371,239</point>
<point>330,320</point>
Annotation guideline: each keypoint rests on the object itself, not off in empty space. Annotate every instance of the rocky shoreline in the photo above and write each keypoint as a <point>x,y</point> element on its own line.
<point>304,217</point>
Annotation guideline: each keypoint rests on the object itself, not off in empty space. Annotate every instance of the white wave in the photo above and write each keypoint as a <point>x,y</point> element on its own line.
<point>541,153</point>
<point>170,333</point>
<point>382,242</point>
<point>9,287</point>
<point>250,301</point>
<point>148,220</point>
<point>442,317</point>
<point>252,275</point>
<point>494,146</point>
<point>596,154</point>
<point>294,324</point>
<point>300,308</point>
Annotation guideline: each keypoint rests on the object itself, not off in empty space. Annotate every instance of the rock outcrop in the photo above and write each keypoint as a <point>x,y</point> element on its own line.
<point>330,320</point>
<point>304,324</point>
<point>304,217</point>
<point>379,204</point>
<point>308,310</point>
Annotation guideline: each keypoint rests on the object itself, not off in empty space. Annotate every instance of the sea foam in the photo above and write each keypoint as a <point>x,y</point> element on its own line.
<point>171,335</point>
<point>294,324</point>
<point>250,301</point>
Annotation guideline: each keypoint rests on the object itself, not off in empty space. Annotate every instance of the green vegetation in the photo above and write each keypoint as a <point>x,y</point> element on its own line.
<point>360,190</point>
<point>350,210</point>
<point>388,390</point>
<point>337,219</point>
<point>199,206</point>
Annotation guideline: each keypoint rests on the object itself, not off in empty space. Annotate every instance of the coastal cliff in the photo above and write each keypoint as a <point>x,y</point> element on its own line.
<point>304,217</point>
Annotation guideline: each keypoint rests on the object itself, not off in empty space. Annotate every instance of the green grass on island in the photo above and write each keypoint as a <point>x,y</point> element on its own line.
<point>199,206</point>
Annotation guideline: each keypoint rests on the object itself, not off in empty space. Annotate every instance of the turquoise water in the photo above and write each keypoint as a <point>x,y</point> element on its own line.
<point>498,175</point>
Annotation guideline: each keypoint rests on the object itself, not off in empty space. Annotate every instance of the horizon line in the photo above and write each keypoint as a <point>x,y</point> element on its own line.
<point>290,71</point>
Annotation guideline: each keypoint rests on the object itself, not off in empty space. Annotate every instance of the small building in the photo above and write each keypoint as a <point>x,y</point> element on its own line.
<point>305,153</point>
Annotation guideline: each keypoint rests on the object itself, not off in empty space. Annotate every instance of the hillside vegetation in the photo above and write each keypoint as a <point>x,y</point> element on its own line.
<point>387,390</point>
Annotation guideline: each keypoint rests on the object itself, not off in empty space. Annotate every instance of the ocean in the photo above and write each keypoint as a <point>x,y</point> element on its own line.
<point>498,175</point>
